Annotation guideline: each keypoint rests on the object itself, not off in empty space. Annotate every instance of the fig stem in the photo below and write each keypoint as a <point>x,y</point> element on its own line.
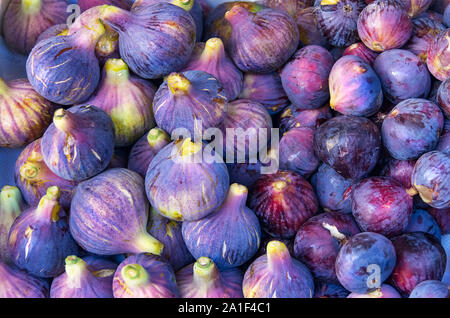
<point>184,4</point>
<point>237,196</point>
<point>213,48</point>
<point>237,13</point>
<point>64,120</point>
<point>146,243</point>
<point>134,275</point>
<point>411,191</point>
<point>49,204</point>
<point>75,268</point>
<point>29,171</point>
<point>11,201</point>
<point>31,7</point>
<point>277,255</point>
<point>335,233</point>
<point>205,272</point>
<point>189,148</point>
<point>157,137</point>
<point>178,84</point>
<point>116,71</point>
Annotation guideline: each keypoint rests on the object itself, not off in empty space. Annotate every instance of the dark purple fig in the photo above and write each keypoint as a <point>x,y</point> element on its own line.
<point>39,239</point>
<point>416,7</point>
<point>24,114</point>
<point>381,205</point>
<point>400,170</point>
<point>308,28</point>
<point>327,290</point>
<point>412,128</point>
<point>395,68</point>
<point>84,278</point>
<point>127,99</point>
<point>145,276</point>
<point>443,97</point>
<point>145,149</point>
<point>444,139</point>
<point>169,233</point>
<point>182,187</point>
<point>384,25</point>
<point>348,144</point>
<point>289,6</point>
<point>79,143</point>
<point>87,4</point>
<point>385,291</point>
<point>15,283</point>
<point>55,30</point>
<point>187,99</point>
<point>25,20</point>
<point>109,214</point>
<point>204,280</point>
<point>155,40</point>
<point>33,177</point>
<point>75,71</point>
<point>283,201</point>
<point>11,205</point>
<point>355,88</point>
<point>431,178</point>
<point>442,217</point>
<point>318,241</point>
<point>361,51</point>
<point>430,289</point>
<point>277,275</point>
<point>439,6</point>
<point>211,58</point>
<point>230,236</point>
<point>296,151</point>
<point>261,42</point>
<point>420,257</point>
<point>337,20</point>
<point>265,89</point>
<point>292,117</point>
<point>438,56</point>
<point>305,77</point>
<point>364,262</point>
<point>422,221</point>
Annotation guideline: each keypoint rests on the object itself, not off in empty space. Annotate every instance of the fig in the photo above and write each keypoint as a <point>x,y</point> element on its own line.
<point>444,139</point>
<point>24,114</point>
<point>422,221</point>
<point>155,40</point>
<point>79,143</point>
<point>305,77</point>
<point>185,99</point>
<point>420,257</point>
<point>412,128</point>
<point>204,280</point>
<point>355,88</point>
<point>381,205</point>
<point>337,20</point>
<point>430,289</point>
<point>348,144</point>
<point>442,217</point>
<point>15,283</point>
<point>318,241</point>
<point>261,42</point>
<point>127,99</point>
<point>25,20</point>
<point>40,240</point>
<point>292,117</point>
<point>430,178</point>
<point>144,276</point>
<point>384,25</point>
<point>361,256</point>
<point>438,56</point>
<point>107,46</point>
<point>230,236</point>
<point>277,275</point>
<point>385,291</point>
<point>109,213</point>
<point>89,277</point>
<point>213,59</point>
<point>360,50</point>
<point>283,201</point>
<point>443,97</point>
<point>416,7</point>
<point>289,6</point>
<point>400,170</point>
<point>265,89</point>
<point>145,149</point>
<point>308,29</point>
<point>183,188</point>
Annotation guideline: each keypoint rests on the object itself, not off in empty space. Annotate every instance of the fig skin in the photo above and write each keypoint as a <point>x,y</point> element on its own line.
<point>430,289</point>
<point>277,275</point>
<point>186,97</point>
<point>412,128</point>
<point>337,20</point>
<point>400,170</point>
<point>384,25</point>
<point>355,88</point>
<point>127,99</point>
<point>438,56</point>
<point>109,214</point>
<point>357,254</point>
<point>443,97</point>
<point>145,149</point>
<point>55,30</point>
<point>442,217</point>
<point>318,241</point>
<point>430,178</point>
<point>355,147</point>
<point>289,6</point>
<point>420,257</point>
<point>283,201</point>
<point>204,280</point>
<point>24,114</point>
<point>230,236</point>
<point>87,4</point>
<point>16,283</point>
<point>155,40</point>
<point>292,117</point>
<point>360,50</point>
<point>39,239</point>
<point>308,28</point>
<point>79,143</point>
<point>326,290</point>
<point>395,69</point>
<point>422,221</point>
<point>416,7</point>
<point>259,55</point>
<point>145,276</point>
<point>385,291</point>
<point>444,139</point>
<point>305,77</point>
<point>182,188</point>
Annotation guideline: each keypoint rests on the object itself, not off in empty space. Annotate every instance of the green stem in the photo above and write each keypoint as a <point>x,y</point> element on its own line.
<point>30,7</point>
<point>11,201</point>
<point>134,275</point>
<point>49,204</point>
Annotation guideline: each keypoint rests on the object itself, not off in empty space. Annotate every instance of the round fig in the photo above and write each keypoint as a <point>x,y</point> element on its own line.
<point>15,283</point>
<point>292,117</point>
<point>438,56</point>
<point>430,289</point>
<point>361,51</point>
<point>443,97</point>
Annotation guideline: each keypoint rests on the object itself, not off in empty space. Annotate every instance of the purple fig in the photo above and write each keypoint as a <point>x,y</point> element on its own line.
<point>438,56</point>
<point>422,221</point>
<point>385,291</point>
<point>55,30</point>
<point>361,51</point>
<point>289,6</point>
<point>430,289</point>
<point>442,217</point>
<point>400,170</point>
<point>307,27</point>
<point>326,290</point>
<point>15,283</point>
<point>109,214</point>
<point>416,7</point>
<point>444,139</point>
<point>292,117</point>
<point>443,97</point>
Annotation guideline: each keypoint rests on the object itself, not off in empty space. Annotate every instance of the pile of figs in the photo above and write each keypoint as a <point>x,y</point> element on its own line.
<point>170,149</point>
